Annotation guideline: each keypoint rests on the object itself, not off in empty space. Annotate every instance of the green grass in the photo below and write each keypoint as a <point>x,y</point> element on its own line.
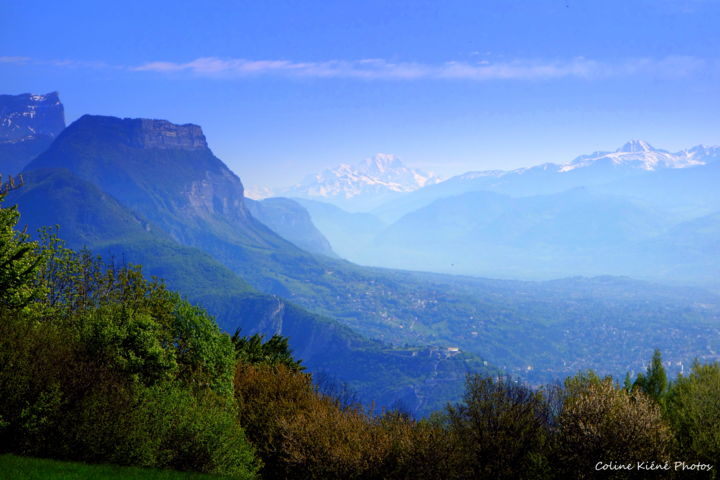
<point>25,468</point>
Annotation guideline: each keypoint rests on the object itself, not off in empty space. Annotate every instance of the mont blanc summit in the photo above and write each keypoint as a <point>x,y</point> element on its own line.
<point>375,179</point>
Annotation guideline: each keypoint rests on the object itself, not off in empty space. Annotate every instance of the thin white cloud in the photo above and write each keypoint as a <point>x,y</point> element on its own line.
<point>378,69</point>
<point>62,63</point>
<point>14,59</point>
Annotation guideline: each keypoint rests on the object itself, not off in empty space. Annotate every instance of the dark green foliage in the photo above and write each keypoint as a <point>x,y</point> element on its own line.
<point>275,351</point>
<point>191,432</point>
<point>654,382</point>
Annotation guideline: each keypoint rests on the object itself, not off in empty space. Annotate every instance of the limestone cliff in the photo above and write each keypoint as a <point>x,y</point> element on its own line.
<point>28,124</point>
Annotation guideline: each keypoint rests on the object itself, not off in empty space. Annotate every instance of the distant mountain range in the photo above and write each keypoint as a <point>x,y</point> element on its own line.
<point>640,154</point>
<point>362,186</point>
<point>622,212</point>
<point>28,124</point>
<point>636,162</point>
<point>152,192</point>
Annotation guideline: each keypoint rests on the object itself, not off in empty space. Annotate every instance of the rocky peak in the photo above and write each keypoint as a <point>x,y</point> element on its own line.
<point>636,146</point>
<point>27,116</point>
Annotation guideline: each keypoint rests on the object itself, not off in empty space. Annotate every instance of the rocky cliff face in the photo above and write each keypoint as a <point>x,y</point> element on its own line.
<point>28,124</point>
<point>28,115</point>
<point>165,135</point>
<point>163,171</point>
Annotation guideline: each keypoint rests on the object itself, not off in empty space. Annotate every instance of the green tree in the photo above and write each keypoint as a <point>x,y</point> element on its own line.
<point>654,382</point>
<point>693,409</point>
<point>275,351</point>
<point>18,261</point>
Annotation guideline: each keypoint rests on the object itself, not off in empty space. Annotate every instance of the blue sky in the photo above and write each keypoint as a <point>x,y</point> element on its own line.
<point>285,88</point>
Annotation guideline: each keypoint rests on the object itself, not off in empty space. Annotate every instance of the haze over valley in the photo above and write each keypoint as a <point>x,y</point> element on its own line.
<point>628,212</point>
<point>152,192</point>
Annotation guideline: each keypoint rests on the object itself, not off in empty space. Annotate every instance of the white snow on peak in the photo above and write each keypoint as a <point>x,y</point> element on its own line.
<point>381,173</point>
<point>641,155</point>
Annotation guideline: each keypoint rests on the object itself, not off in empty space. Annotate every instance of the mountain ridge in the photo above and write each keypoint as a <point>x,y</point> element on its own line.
<point>635,159</point>
<point>28,125</point>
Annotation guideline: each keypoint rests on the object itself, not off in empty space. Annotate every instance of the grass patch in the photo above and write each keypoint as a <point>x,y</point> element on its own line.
<point>25,468</point>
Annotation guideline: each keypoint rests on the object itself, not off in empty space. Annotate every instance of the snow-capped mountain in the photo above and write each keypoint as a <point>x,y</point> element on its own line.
<point>642,155</point>
<point>634,155</point>
<point>368,183</point>
<point>626,168</point>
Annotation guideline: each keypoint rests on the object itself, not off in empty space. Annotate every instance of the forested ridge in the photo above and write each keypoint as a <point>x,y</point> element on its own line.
<point>101,365</point>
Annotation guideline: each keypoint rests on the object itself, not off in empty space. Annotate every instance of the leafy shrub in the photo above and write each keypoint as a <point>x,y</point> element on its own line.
<point>600,422</point>
<point>502,429</point>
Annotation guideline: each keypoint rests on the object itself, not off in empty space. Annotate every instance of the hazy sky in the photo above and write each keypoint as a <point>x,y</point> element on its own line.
<point>286,88</point>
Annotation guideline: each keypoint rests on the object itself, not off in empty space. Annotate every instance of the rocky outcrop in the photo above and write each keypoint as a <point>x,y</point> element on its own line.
<point>28,124</point>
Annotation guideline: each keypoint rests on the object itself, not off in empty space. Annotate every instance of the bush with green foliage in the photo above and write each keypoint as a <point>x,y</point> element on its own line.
<point>302,434</point>
<point>602,423</point>
<point>502,427</point>
<point>99,364</point>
